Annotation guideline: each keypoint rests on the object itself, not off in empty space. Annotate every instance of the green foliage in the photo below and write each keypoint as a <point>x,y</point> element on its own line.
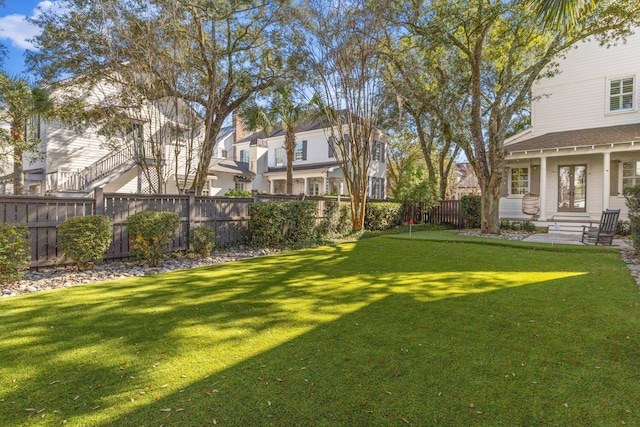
<point>471,210</point>
<point>632,196</point>
<point>623,228</point>
<point>14,252</point>
<point>84,239</point>
<point>237,193</point>
<point>414,186</point>
<point>337,219</point>
<point>282,223</point>
<point>150,233</point>
<point>202,240</point>
<point>526,225</point>
<point>381,216</point>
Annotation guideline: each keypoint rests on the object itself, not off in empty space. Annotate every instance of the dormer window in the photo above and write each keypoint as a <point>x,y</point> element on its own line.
<point>622,94</point>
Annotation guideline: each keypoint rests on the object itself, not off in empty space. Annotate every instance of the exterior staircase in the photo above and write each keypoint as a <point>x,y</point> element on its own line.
<point>118,164</point>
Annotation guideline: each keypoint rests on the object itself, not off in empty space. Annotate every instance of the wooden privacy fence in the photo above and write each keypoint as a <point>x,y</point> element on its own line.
<point>228,216</point>
<point>448,212</point>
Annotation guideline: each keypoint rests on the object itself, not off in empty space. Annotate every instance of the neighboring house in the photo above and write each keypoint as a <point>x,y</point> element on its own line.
<point>73,162</point>
<point>316,169</point>
<point>466,181</point>
<point>583,147</point>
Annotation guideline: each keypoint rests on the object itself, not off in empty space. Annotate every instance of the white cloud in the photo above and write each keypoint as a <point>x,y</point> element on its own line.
<point>18,30</point>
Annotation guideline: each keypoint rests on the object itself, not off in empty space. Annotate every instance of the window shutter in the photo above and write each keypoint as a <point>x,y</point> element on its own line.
<point>383,186</point>
<point>330,142</point>
<point>304,150</point>
<point>382,146</point>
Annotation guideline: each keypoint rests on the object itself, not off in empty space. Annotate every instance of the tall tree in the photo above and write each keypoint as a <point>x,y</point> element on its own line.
<point>340,39</point>
<point>286,109</point>
<point>504,51</point>
<point>213,54</point>
<point>19,102</point>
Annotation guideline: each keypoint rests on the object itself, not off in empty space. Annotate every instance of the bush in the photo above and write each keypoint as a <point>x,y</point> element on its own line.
<point>237,193</point>
<point>84,239</point>
<point>14,252</point>
<point>150,233</point>
<point>623,228</point>
<point>632,196</point>
<point>337,219</point>
<point>471,210</point>
<point>202,240</point>
<point>381,216</point>
<point>527,226</point>
<point>281,223</point>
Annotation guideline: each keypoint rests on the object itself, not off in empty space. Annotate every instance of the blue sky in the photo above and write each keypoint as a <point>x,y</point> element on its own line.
<point>14,29</point>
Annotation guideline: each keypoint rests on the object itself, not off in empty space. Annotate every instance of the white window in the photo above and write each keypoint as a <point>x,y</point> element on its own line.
<point>178,137</point>
<point>621,94</point>
<point>279,156</point>
<point>224,153</point>
<point>298,154</point>
<point>377,188</point>
<point>314,189</point>
<point>206,190</point>
<point>630,174</point>
<point>519,180</point>
<point>239,186</point>
<point>244,156</point>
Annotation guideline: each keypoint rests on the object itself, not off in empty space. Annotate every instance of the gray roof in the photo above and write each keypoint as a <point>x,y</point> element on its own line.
<point>579,138</point>
<point>307,125</point>
<point>224,132</point>
<point>231,167</point>
<point>311,166</point>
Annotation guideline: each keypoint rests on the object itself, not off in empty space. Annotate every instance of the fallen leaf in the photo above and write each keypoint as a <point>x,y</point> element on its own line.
<point>95,407</point>
<point>31,409</point>
<point>269,402</point>
<point>165,386</point>
<point>40,411</point>
<point>76,398</point>
<point>165,410</point>
<point>179,409</point>
<point>54,382</point>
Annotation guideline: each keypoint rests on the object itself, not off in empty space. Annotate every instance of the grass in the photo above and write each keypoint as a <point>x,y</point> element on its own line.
<point>383,331</point>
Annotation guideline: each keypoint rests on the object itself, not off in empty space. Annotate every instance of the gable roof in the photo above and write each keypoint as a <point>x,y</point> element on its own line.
<point>305,126</point>
<point>579,138</point>
<point>224,132</point>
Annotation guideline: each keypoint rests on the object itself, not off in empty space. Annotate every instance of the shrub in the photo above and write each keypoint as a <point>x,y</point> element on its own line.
<point>623,228</point>
<point>84,239</point>
<point>632,196</point>
<point>337,219</point>
<point>202,240</point>
<point>505,224</point>
<point>280,223</point>
<point>150,233</point>
<point>381,216</point>
<point>471,210</point>
<point>237,193</point>
<point>14,252</point>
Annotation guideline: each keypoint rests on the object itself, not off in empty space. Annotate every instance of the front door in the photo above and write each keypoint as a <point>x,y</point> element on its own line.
<point>572,188</point>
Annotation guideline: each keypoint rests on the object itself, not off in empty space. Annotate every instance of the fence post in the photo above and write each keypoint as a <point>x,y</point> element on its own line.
<point>255,195</point>
<point>99,205</point>
<point>191,207</point>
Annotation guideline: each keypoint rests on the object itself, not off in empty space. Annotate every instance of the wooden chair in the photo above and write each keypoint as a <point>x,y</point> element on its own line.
<point>604,232</point>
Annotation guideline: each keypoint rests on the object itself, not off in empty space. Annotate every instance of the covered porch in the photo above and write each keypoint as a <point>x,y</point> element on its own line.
<point>575,174</point>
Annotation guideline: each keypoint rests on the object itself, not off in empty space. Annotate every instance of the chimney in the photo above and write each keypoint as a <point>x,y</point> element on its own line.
<point>239,127</point>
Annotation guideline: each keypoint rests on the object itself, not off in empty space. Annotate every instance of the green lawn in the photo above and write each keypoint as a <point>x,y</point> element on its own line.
<point>384,331</point>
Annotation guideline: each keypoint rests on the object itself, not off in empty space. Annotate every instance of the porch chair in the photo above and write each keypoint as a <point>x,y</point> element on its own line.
<point>604,232</point>
<point>531,204</point>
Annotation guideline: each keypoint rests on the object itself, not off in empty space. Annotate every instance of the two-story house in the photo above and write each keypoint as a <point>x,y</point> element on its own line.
<point>155,151</point>
<point>316,167</point>
<point>583,147</point>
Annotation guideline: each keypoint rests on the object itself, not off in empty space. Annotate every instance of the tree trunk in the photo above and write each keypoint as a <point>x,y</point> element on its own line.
<point>212,128</point>
<point>18,172</point>
<point>490,207</point>
<point>18,137</point>
<point>290,147</point>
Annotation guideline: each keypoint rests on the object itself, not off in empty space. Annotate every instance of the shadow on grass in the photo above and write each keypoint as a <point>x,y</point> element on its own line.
<point>357,334</point>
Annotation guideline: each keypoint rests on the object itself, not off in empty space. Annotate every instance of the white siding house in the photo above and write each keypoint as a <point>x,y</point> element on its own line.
<point>583,146</point>
<point>316,169</point>
<point>73,162</point>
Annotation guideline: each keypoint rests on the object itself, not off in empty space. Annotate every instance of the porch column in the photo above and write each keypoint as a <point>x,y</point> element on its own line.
<point>272,186</point>
<point>543,189</point>
<point>325,185</point>
<point>306,185</point>
<point>606,180</point>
